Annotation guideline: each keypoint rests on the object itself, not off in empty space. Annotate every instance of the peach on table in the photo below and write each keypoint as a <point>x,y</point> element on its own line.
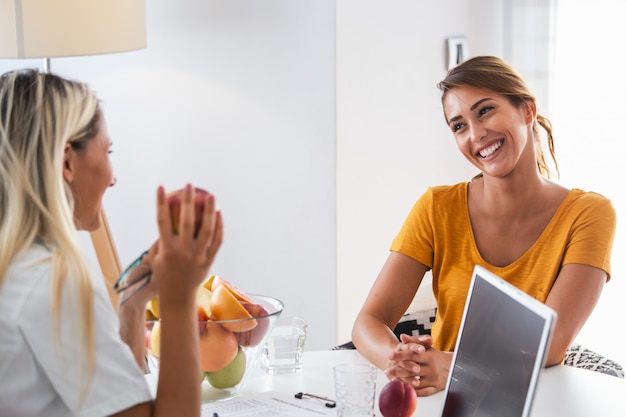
<point>397,399</point>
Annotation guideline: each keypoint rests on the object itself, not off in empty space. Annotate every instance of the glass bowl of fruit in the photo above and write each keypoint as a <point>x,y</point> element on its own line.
<point>233,327</point>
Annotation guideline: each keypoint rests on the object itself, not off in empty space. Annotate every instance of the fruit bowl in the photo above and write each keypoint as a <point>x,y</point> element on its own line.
<point>229,349</point>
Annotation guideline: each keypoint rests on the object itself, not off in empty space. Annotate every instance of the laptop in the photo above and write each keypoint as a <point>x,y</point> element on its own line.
<point>500,350</point>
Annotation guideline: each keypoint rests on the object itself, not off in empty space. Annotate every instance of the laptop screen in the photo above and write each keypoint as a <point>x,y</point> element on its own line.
<point>500,351</point>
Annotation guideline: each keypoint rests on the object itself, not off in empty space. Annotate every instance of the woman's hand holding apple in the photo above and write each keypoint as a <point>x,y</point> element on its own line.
<point>185,249</point>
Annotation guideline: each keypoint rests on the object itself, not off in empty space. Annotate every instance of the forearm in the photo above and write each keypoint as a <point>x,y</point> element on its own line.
<point>387,301</point>
<point>374,340</point>
<point>573,298</point>
<point>133,331</point>
<point>178,390</point>
<point>558,346</point>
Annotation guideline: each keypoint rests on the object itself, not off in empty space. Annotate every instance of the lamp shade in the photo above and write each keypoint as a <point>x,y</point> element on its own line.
<point>59,28</point>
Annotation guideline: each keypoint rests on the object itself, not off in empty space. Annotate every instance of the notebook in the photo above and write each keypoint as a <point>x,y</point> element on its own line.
<point>500,351</point>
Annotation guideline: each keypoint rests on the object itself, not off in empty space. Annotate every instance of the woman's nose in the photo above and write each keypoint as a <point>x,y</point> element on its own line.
<point>113,182</point>
<point>477,132</point>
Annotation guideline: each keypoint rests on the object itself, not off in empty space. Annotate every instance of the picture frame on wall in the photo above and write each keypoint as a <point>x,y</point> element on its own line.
<point>458,50</point>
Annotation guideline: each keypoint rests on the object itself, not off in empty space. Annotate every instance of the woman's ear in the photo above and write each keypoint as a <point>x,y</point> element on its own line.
<point>68,168</point>
<point>530,111</point>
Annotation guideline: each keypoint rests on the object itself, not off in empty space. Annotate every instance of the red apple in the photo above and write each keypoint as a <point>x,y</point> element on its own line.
<point>175,199</point>
<point>253,337</point>
<point>397,399</point>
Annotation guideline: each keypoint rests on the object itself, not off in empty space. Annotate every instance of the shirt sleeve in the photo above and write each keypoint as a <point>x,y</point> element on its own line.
<point>416,236</point>
<point>592,232</point>
<point>117,382</point>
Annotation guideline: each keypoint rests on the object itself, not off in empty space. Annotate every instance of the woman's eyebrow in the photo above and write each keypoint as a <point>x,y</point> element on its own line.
<point>474,106</point>
<point>479,102</point>
<point>454,119</point>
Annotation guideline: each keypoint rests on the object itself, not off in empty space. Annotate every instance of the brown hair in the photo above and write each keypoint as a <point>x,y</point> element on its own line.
<point>494,74</point>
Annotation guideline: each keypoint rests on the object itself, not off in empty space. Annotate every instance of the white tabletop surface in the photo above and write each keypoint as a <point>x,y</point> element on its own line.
<point>562,390</point>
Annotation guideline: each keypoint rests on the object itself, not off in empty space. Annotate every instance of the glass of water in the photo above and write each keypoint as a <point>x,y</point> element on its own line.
<point>355,389</point>
<point>284,347</point>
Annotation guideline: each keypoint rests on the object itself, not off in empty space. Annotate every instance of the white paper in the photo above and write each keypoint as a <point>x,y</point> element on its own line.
<point>268,404</point>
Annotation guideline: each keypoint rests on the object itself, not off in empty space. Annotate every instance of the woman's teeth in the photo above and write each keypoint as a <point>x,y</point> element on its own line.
<point>488,151</point>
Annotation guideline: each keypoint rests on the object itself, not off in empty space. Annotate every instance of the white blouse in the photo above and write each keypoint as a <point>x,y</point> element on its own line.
<point>42,374</point>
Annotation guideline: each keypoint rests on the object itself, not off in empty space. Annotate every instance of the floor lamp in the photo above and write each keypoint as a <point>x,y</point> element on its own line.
<point>63,28</point>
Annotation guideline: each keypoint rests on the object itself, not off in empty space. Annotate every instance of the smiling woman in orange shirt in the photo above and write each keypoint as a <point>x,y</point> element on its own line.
<point>552,242</point>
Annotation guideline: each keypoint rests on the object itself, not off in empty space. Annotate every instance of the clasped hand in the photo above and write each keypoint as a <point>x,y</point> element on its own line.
<point>415,361</point>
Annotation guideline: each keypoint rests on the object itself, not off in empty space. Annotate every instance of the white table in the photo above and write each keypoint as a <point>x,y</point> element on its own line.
<point>562,390</point>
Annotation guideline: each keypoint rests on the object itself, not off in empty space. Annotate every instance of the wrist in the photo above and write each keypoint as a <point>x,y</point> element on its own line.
<point>180,307</point>
<point>130,310</point>
<point>177,299</point>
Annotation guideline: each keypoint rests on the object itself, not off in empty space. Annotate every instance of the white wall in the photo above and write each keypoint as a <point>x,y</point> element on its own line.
<point>392,141</point>
<point>587,114</point>
<point>236,97</point>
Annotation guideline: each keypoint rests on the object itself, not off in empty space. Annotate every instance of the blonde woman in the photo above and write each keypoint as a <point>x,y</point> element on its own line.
<point>550,241</point>
<point>61,351</point>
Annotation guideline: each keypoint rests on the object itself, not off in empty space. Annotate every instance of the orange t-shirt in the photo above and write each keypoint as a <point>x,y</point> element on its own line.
<point>438,234</point>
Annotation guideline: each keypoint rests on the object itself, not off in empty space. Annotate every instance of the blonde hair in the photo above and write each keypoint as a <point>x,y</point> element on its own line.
<point>39,114</point>
<point>494,74</point>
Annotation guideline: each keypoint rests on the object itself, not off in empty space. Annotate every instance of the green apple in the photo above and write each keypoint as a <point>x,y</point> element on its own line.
<point>230,375</point>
